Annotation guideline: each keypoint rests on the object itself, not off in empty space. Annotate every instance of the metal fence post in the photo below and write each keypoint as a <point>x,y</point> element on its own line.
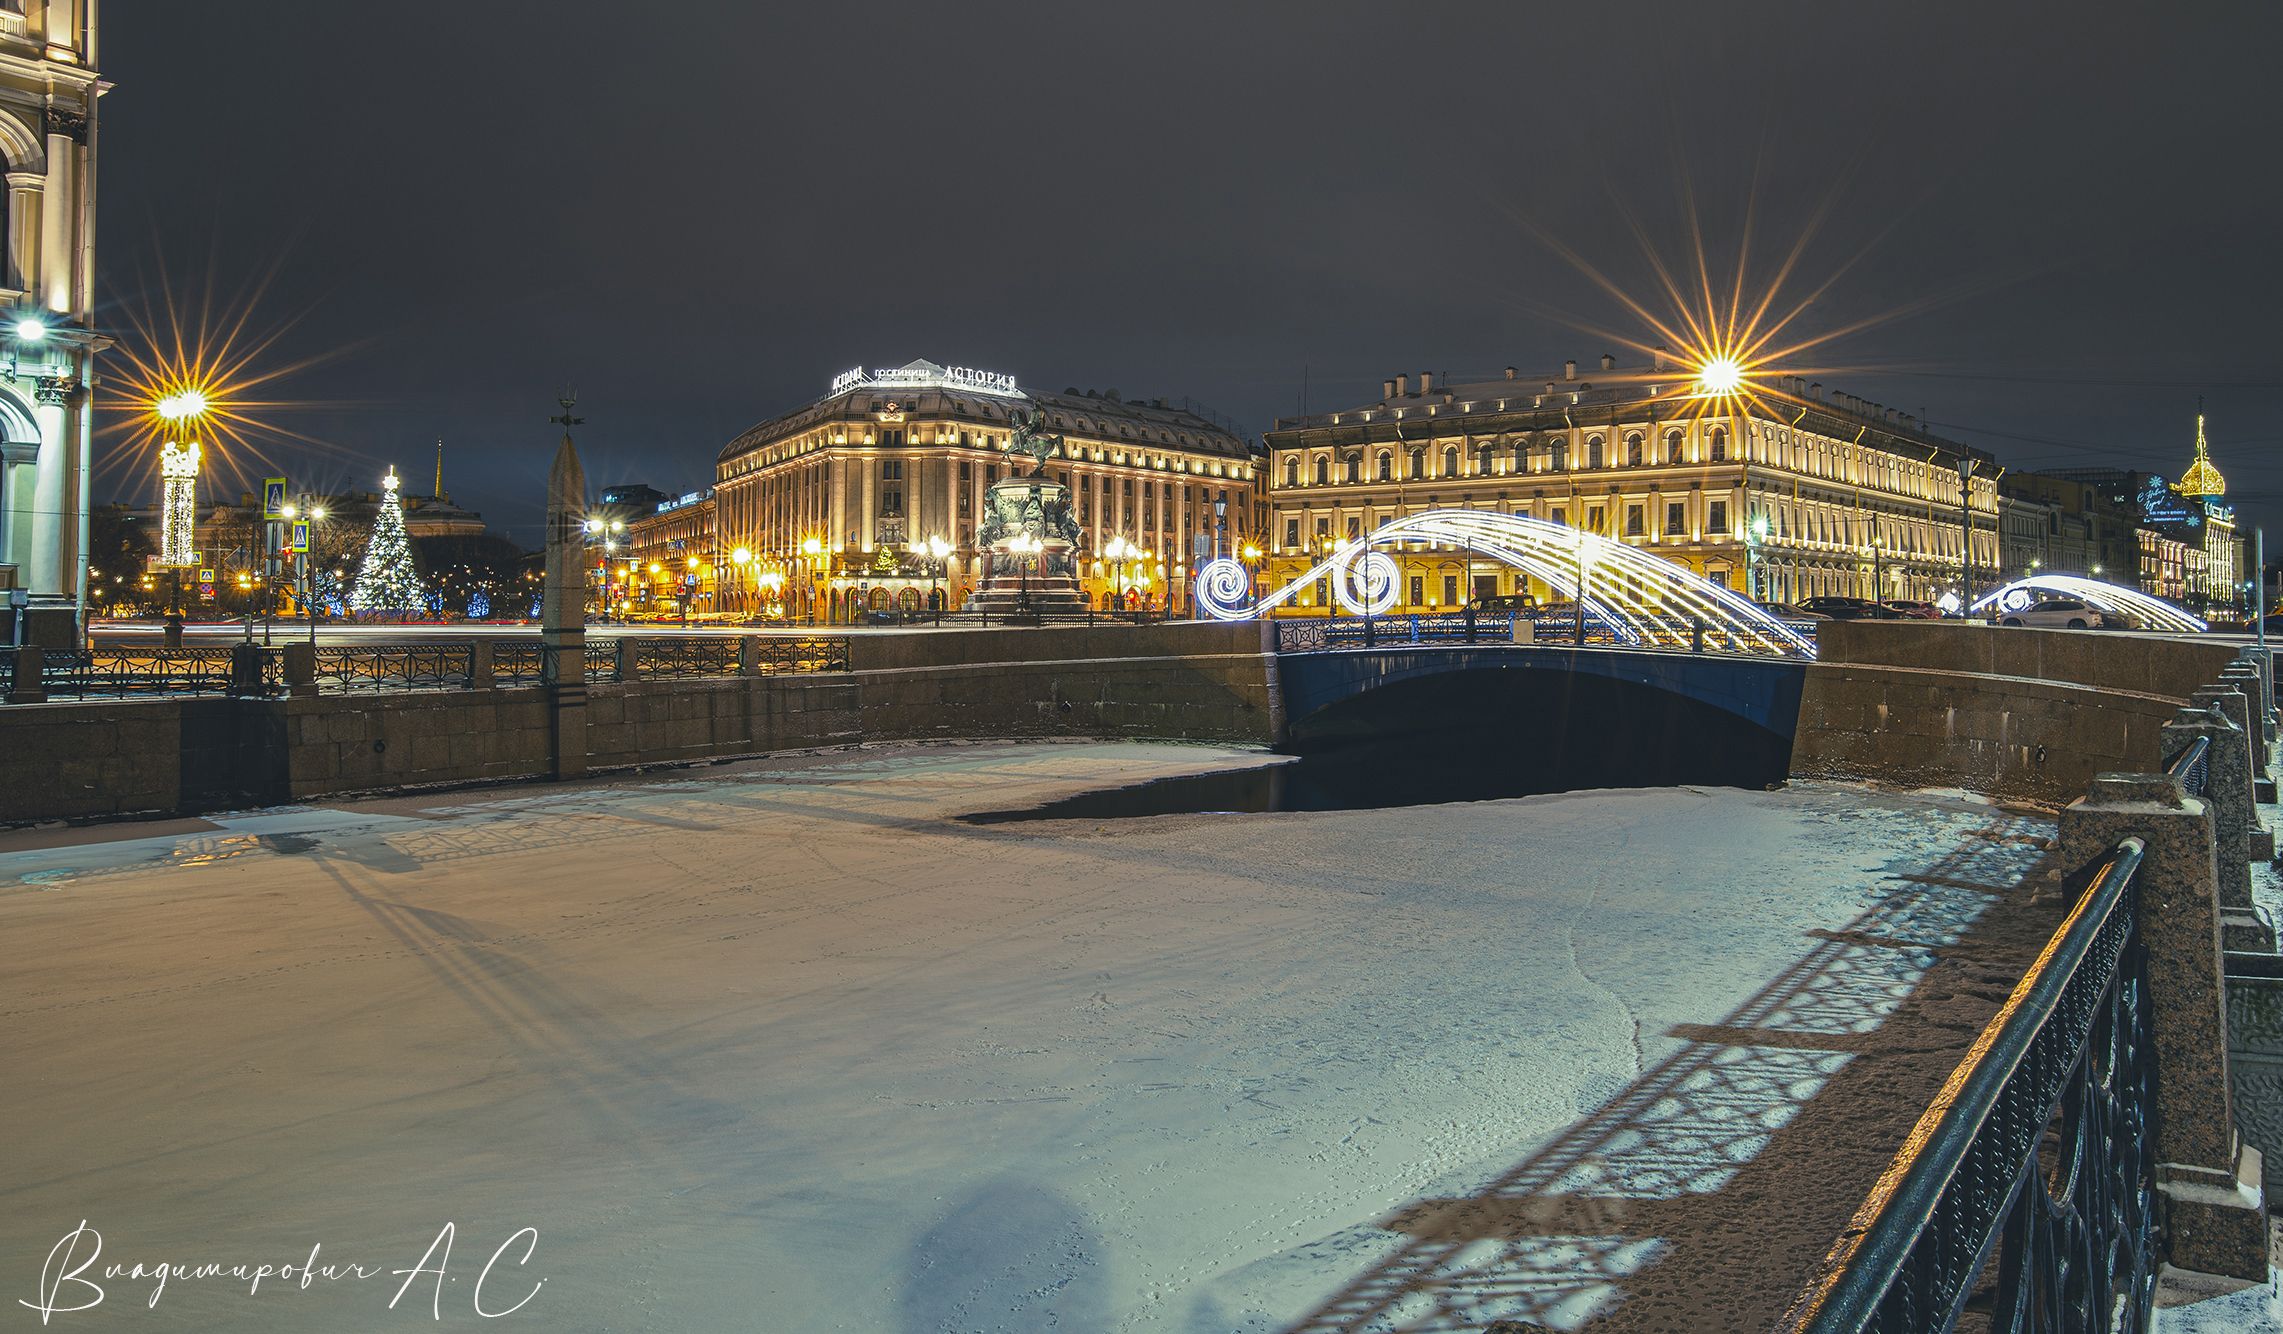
<point>2208,1179</point>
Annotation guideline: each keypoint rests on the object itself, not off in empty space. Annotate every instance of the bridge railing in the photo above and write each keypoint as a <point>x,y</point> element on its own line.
<point>1306,634</point>
<point>34,675</point>
<point>2038,1154</point>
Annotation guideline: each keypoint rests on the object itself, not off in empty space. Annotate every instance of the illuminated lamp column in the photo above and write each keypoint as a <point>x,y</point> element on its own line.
<point>178,503</point>
<point>24,215</point>
<point>53,492</point>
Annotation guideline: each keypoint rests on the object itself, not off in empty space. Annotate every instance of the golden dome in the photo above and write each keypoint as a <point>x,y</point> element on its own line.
<point>2202,479</point>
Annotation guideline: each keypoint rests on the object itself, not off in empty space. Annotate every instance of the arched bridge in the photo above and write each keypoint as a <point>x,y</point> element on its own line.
<point>1603,716</point>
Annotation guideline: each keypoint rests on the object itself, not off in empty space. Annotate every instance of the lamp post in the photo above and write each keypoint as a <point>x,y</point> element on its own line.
<point>739,559</point>
<point>1251,555</point>
<point>1756,560</point>
<point>811,548</point>
<point>937,549</point>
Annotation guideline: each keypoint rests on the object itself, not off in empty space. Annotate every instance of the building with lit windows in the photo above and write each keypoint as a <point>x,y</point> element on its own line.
<point>671,561</point>
<point>2189,549</point>
<point>48,92</point>
<point>1786,492</point>
<point>850,499</point>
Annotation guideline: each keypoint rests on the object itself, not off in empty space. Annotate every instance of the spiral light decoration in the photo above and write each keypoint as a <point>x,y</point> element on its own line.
<point>2151,612</point>
<point>1642,597</point>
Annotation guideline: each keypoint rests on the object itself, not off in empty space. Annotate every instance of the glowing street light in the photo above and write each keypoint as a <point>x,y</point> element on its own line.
<point>31,330</point>
<point>1720,376</point>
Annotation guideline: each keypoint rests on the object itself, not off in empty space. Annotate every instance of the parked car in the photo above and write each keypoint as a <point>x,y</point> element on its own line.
<point>1785,611</point>
<point>1505,602</point>
<point>1850,609</point>
<point>1913,611</point>
<point>2064,614</point>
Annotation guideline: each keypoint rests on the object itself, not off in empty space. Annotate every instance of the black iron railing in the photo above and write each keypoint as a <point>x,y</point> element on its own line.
<point>802,655</point>
<point>154,671</point>
<point>2028,1189</point>
<point>2192,767</point>
<point>602,660</point>
<point>1691,634</point>
<point>394,667</point>
<point>667,659</point>
<point>518,663</point>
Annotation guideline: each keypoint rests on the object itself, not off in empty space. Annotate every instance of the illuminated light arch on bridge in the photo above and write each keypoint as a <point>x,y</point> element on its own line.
<point>2152,612</point>
<point>1644,598</point>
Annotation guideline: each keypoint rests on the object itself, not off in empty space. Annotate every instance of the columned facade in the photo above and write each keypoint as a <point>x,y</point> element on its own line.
<point>847,500</point>
<point>48,92</point>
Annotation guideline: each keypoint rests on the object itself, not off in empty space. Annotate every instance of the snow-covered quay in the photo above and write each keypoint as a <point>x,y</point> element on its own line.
<point>780,1047</point>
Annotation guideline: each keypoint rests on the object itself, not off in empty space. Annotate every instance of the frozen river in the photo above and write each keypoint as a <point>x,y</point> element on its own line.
<point>780,1047</point>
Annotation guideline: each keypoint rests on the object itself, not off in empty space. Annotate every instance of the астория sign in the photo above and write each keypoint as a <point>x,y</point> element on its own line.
<point>922,375</point>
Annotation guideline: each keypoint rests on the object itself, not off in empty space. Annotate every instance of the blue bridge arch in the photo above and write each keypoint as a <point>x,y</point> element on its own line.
<point>1761,691</point>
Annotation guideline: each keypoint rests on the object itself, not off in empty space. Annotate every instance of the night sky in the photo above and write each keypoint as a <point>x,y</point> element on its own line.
<point>2061,220</point>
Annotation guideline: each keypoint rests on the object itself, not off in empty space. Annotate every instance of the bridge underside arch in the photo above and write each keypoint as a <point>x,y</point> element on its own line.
<point>1557,729</point>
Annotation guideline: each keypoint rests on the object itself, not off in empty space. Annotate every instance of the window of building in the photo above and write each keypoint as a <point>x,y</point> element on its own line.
<point>1418,590</point>
<point>1593,515</point>
<point>1482,460</point>
<point>1450,590</point>
<point>1418,464</point>
<point>1355,527</point>
<point>1716,517</point>
<point>1718,578</point>
<point>1672,446</point>
<point>1521,456</point>
<point>1633,450</point>
<point>1558,515</point>
<point>891,502</point>
<point>1323,470</point>
<point>1451,461</point>
<point>1292,534</point>
<point>1593,451</point>
<point>1323,529</point>
<point>891,470</point>
<point>1386,465</point>
<point>1561,456</point>
<point>1719,444</point>
<point>895,437</point>
<point>1676,519</point>
<point>1292,472</point>
<point>1354,465</point>
<point>1636,520</point>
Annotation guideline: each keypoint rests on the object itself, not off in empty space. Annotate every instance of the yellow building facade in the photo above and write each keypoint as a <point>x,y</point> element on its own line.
<point>1786,492</point>
<point>868,499</point>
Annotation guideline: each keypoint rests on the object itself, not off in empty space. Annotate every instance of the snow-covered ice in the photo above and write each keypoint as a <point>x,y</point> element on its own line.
<point>780,1047</point>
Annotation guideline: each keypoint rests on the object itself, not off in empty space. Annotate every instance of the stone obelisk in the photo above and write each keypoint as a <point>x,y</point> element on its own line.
<point>563,606</point>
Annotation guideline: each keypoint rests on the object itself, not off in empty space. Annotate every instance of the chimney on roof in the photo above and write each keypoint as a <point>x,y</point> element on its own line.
<point>1549,386</point>
<point>1403,386</point>
<point>1426,382</point>
<point>1608,362</point>
<point>1510,372</point>
<point>1815,390</point>
<point>1387,389</point>
<point>1569,369</point>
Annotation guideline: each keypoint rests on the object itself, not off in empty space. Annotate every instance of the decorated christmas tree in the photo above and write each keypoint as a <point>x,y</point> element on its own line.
<point>386,580</point>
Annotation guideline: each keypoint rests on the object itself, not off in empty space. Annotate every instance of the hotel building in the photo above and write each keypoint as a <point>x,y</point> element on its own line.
<point>848,498</point>
<point>1787,492</point>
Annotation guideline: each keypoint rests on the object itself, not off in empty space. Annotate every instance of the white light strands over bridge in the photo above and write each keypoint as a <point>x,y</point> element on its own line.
<point>2149,613</point>
<point>1643,598</point>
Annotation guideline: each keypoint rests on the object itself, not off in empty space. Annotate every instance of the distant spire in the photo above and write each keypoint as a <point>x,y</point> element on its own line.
<point>440,470</point>
<point>2202,479</point>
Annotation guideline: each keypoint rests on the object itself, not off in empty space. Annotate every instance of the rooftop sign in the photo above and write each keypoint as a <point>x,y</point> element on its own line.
<point>926,375</point>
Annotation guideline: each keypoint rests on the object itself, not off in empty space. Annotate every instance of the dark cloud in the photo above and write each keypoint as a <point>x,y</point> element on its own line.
<point>697,213</point>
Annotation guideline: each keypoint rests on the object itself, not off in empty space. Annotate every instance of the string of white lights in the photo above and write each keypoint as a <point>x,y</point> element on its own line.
<point>2151,613</point>
<point>1638,594</point>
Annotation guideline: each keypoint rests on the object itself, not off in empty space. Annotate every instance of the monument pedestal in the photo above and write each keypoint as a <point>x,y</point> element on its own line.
<point>1030,544</point>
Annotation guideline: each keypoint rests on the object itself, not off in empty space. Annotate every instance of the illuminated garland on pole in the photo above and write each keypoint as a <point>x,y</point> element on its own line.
<point>386,580</point>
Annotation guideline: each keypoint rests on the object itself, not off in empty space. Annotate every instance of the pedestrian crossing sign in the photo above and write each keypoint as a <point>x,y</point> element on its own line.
<point>273,497</point>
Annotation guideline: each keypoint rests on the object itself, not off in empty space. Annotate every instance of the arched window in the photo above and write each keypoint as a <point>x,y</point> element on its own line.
<point>1633,449</point>
<point>1451,461</point>
<point>1672,446</point>
<point>1482,460</point>
<point>1323,470</point>
<point>1593,451</point>
<point>1418,463</point>
<point>1292,471</point>
<point>1354,470</point>
<point>1521,456</point>
<point>1561,455</point>
<point>1719,444</point>
<point>1386,463</point>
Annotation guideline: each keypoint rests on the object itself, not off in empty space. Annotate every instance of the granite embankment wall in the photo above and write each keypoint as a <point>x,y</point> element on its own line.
<point>160,756</point>
<point>2017,714</point>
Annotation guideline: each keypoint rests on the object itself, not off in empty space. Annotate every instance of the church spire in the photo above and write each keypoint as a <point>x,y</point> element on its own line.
<point>440,497</point>
<point>2202,479</point>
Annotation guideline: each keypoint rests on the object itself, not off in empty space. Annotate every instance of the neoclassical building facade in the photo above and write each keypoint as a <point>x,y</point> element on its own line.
<point>847,498</point>
<point>48,93</point>
<point>1785,494</point>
